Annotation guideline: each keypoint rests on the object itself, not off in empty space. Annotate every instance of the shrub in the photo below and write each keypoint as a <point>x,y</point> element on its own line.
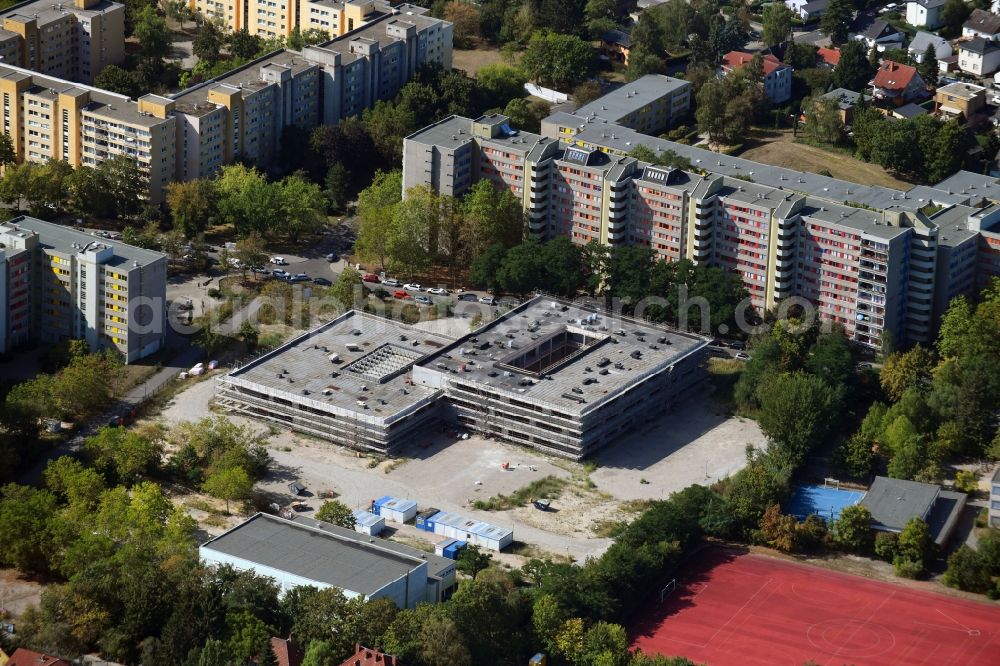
<point>967,481</point>
<point>214,293</point>
<point>967,570</point>
<point>886,545</point>
<point>907,568</point>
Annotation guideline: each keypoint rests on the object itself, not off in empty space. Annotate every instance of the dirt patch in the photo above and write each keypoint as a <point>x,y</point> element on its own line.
<point>471,61</point>
<point>18,592</point>
<point>778,149</point>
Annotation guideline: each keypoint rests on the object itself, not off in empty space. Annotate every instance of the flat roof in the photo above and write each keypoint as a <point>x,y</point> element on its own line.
<point>63,239</point>
<point>893,502</point>
<point>368,376</point>
<point>945,514</point>
<point>319,552</point>
<point>601,132</point>
<point>454,132</point>
<point>616,353</point>
<point>632,96</point>
<point>953,225</point>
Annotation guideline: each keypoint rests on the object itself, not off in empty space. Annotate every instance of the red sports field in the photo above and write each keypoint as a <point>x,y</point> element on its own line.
<point>731,608</point>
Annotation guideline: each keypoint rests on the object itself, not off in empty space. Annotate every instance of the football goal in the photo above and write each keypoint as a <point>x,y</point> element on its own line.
<point>668,589</point>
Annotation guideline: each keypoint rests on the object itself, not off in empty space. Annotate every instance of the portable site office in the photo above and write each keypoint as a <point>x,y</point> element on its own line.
<point>368,523</point>
<point>473,531</point>
<point>395,509</point>
<point>449,548</point>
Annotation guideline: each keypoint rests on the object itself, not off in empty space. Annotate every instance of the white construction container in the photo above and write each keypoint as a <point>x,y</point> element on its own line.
<point>368,523</point>
<point>395,509</point>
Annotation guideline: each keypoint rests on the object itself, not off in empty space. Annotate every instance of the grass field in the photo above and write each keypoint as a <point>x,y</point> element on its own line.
<point>471,61</point>
<point>779,150</point>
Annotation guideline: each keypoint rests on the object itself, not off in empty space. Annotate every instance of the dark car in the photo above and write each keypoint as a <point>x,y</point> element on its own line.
<point>467,296</point>
<point>332,257</point>
<point>322,281</point>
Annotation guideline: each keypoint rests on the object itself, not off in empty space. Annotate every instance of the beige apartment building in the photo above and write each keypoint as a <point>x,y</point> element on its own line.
<point>239,115</point>
<point>72,40</point>
<point>279,18</point>
<point>59,284</point>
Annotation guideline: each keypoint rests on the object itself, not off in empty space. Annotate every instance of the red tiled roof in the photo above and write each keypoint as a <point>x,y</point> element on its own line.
<point>286,653</point>
<point>23,657</point>
<point>736,59</point>
<point>367,657</point>
<point>829,56</point>
<point>894,76</point>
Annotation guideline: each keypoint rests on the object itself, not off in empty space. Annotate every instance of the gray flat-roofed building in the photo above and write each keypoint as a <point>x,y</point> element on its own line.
<point>995,499</point>
<point>894,502</point>
<point>564,378</point>
<point>346,381</point>
<point>311,552</point>
<point>649,104</point>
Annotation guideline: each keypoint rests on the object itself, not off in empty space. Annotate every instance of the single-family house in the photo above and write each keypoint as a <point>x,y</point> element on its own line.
<point>287,652</point>
<point>827,58</point>
<point>847,101</point>
<point>616,45</point>
<point>983,24</point>
<point>777,75</point>
<point>897,83</point>
<point>979,56</point>
<point>918,47</point>
<point>924,13</point>
<point>368,657</point>
<point>960,99</point>
<point>894,502</point>
<point>908,111</point>
<point>880,35</point>
<point>26,657</point>
<point>807,10</point>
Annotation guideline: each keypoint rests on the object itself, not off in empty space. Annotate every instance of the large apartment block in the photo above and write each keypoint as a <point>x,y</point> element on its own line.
<point>70,40</point>
<point>878,262</point>
<point>58,284</point>
<point>280,18</point>
<point>239,115</point>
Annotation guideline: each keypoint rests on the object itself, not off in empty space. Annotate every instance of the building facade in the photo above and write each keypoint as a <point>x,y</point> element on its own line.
<point>239,115</point>
<point>71,40</point>
<point>280,18</point>
<point>870,259</point>
<point>58,284</point>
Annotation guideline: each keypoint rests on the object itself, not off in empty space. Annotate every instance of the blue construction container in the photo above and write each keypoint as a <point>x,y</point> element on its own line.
<point>425,519</point>
<point>377,504</point>
<point>451,550</point>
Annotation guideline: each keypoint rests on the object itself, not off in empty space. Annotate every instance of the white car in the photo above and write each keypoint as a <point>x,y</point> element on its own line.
<point>391,282</point>
<point>412,286</point>
<point>234,262</point>
<point>279,261</point>
<point>743,356</point>
<point>437,291</point>
<point>488,300</point>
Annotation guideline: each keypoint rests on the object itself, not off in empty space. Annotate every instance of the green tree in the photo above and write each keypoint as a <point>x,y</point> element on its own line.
<point>8,156</point>
<point>928,66</point>
<point>853,72</point>
<point>914,547</point>
<point>823,119</point>
<point>348,290</point>
<point>796,411</point>
<point>500,83</point>
<point>413,231</point>
<point>245,200</point>
<point>249,638</point>
<point>547,617</point>
<point>126,454</point>
<point>852,530</point>
<point>124,183</point>
<point>836,21</point>
<point>230,484</point>
<point>492,215</point>
<point>464,16</point>
<point>557,60</point>
<point>485,269</point>
<point>968,571</point>
<point>152,33</point>
<point>953,15</point>
<point>208,42</point>
<point>777,23</point>
<point>601,16</point>
<point>303,207</point>
<point>526,114</point>
<point>427,635</point>
<point>192,205</point>
<point>243,45</point>
<point>523,270</point>
<point>376,205</point>
<point>801,56</point>
<point>903,371</point>
<point>336,512</point>
<point>321,653</point>
<point>249,334</point>
<point>472,559</point>
<point>24,527</point>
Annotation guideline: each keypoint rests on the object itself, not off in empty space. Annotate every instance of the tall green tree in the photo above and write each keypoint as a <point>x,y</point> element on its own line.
<point>152,33</point>
<point>853,72</point>
<point>336,512</point>
<point>836,21</point>
<point>557,60</point>
<point>777,23</point>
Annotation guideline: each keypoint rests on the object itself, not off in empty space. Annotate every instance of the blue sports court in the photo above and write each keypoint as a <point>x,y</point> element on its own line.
<point>825,501</point>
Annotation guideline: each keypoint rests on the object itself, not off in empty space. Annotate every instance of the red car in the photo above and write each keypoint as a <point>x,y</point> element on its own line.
<point>400,294</point>
<point>370,277</point>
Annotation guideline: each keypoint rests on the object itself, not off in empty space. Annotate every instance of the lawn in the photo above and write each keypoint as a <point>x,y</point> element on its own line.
<point>472,60</point>
<point>778,149</point>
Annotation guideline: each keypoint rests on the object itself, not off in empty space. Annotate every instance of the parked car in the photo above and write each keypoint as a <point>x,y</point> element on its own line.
<point>412,286</point>
<point>299,277</point>
<point>260,270</point>
<point>488,300</point>
<point>370,277</point>
<point>743,356</point>
<point>322,281</point>
<point>234,262</point>
<point>281,274</point>
<point>331,257</point>
<point>467,296</point>
<point>279,261</point>
<point>437,291</point>
<point>391,282</point>
<point>423,300</point>
<point>400,294</point>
